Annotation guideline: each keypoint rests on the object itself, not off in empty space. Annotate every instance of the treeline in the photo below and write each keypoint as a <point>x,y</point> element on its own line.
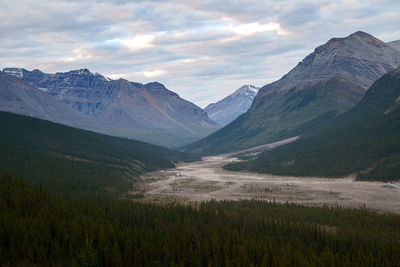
<point>372,158</point>
<point>38,228</point>
<point>74,161</point>
<point>387,169</point>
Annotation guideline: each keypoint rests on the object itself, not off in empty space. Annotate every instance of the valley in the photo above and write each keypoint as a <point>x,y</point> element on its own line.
<point>200,133</point>
<point>206,180</point>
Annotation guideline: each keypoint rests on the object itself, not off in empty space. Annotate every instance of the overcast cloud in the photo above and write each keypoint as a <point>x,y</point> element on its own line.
<point>203,50</point>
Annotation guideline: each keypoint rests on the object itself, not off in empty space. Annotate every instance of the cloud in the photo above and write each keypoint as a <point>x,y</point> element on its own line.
<point>117,76</point>
<point>248,29</point>
<point>79,54</point>
<point>154,73</point>
<point>202,50</point>
<point>139,42</point>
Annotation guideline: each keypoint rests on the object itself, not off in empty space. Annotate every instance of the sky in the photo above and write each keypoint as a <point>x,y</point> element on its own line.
<point>203,50</point>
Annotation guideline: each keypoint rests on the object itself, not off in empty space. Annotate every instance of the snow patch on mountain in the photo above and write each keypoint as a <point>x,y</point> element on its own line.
<point>232,106</point>
<point>16,72</point>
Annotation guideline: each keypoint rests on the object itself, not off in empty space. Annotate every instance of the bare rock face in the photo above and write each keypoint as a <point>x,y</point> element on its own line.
<point>148,112</point>
<point>22,98</point>
<point>359,58</point>
<point>395,44</point>
<point>232,106</point>
<point>327,82</point>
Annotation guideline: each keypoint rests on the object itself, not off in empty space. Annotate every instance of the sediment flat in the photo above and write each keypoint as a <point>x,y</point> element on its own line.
<point>206,180</point>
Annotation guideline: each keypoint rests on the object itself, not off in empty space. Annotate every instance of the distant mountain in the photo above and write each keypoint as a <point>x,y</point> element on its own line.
<point>364,140</point>
<point>74,161</point>
<point>232,106</point>
<point>148,112</point>
<point>395,44</point>
<point>329,81</point>
<point>22,98</point>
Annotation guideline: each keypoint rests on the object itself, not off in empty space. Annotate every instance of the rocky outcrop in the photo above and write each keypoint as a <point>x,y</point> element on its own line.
<point>22,98</point>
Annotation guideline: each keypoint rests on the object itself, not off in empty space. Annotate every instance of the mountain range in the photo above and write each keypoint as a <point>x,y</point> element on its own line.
<point>326,83</point>
<point>232,106</point>
<point>364,141</point>
<point>148,112</point>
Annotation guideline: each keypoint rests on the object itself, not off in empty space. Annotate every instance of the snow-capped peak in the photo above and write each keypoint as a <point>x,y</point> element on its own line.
<point>247,90</point>
<point>232,106</point>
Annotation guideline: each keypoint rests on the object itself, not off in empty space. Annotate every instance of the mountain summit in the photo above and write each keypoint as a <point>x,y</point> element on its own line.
<point>327,82</point>
<point>360,58</point>
<point>232,106</point>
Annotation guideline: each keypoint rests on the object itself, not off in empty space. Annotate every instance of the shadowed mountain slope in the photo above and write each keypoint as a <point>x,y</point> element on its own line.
<point>328,82</point>
<point>364,140</point>
<point>72,160</point>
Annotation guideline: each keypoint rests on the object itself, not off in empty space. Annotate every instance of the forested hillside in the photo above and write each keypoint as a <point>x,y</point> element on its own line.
<point>37,228</point>
<point>365,140</point>
<point>70,160</point>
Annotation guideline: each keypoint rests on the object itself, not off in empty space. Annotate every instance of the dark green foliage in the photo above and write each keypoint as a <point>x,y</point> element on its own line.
<point>365,140</point>
<point>37,228</point>
<point>71,160</point>
<point>387,169</point>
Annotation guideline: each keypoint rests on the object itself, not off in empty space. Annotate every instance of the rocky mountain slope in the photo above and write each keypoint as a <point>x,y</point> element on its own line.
<point>232,106</point>
<point>365,140</point>
<point>329,81</point>
<point>148,112</point>
<point>22,98</point>
<point>395,44</point>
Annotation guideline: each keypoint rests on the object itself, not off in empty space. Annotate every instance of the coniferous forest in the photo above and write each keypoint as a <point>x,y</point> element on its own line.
<point>45,229</point>
<point>73,161</point>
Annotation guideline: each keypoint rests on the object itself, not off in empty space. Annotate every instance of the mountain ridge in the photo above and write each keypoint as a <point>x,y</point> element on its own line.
<point>148,112</point>
<point>25,99</point>
<point>326,83</point>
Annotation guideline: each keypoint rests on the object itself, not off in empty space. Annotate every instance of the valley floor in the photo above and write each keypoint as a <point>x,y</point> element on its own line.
<point>206,180</point>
